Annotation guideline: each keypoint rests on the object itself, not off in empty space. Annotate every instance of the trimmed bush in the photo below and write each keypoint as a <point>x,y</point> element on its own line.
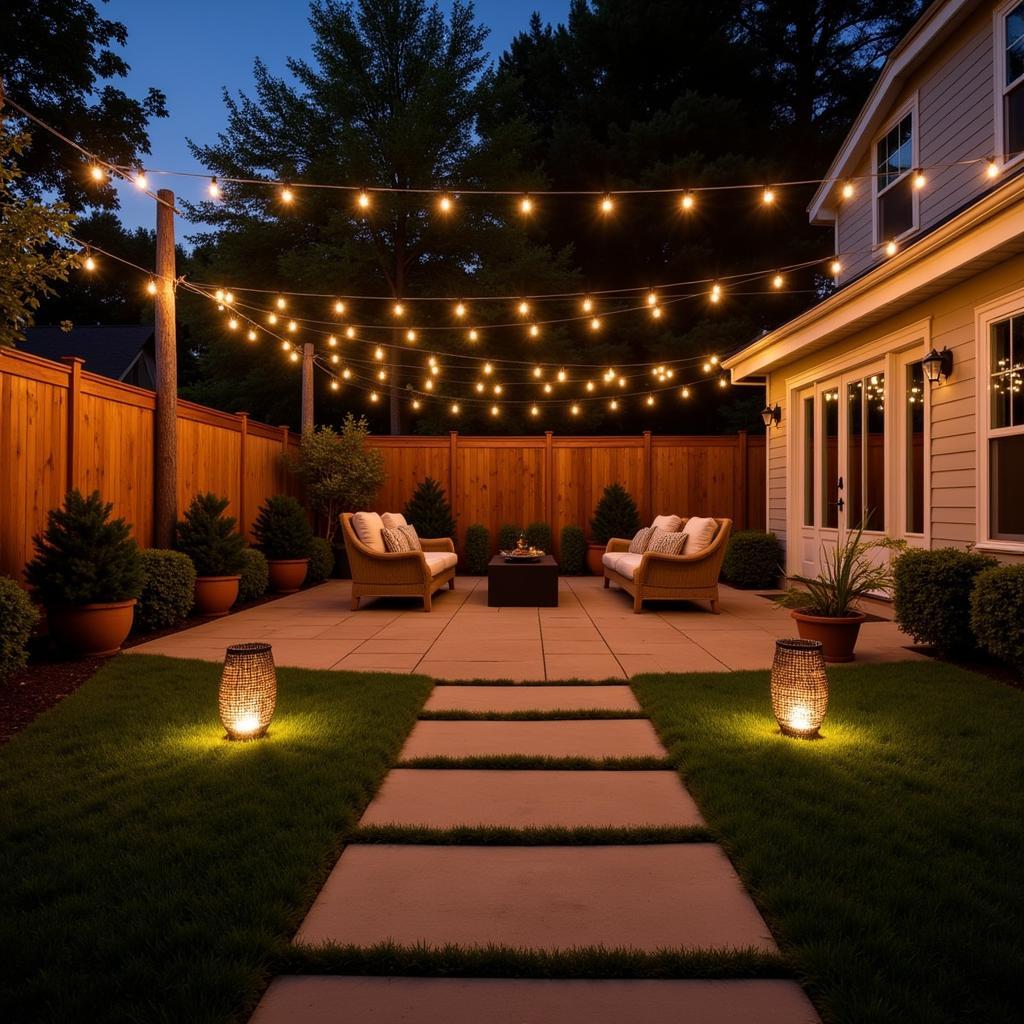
<point>83,556</point>
<point>428,510</point>
<point>210,538</point>
<point>538,535</point>
<point>573,551</point>
<point>477,552</point>
<point>508,534</point>
<point>168,584</point>
<point>321,561</point>
<point>997,614</point>
<point>932,596</point>
<point>18,618</point>
<point>615,515</point>
<point>255,576</point>
<point>752,560</point>
<point>282,529</point>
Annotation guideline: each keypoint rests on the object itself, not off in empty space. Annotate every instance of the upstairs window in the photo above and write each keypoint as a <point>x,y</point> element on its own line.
<point>894,160</point>
<point>1013,81</point>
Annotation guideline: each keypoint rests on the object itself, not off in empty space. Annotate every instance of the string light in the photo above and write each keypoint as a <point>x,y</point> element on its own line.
<point>460,309</point>
<point>251,335</point>
<point>778,281</point>
<point>919,180</point>
<point>373,396</point>
<point>526,206</point>
<point>378,353</point>
<point>652,298</point>
<point>480,387</point>
<point>613,404</point>
<point>561,375</point>
<point>848,190</point>
<point>415,403</point>
<point>233,324</point>
<point>723,381</point>
<point>214,189</point>
<point>410,335</point>
<point>382,375</point>
<point>140,179</point>
<point>292,326</point>
<point>587,304</point>
<point>286,345</point>
<point>991,169</point>
<point>687,201</point>
<point>271,318</point>
<point>595,323</point>
<point>498,389</point>
<point>97,173</point>
<point>339,307</point>
<point>335,385</point>
<point>474,334</point>
<point>623,382</point>
<point>281,302</point>
<point>151,286</point>
<point>229,298</point>
<point>590,385</point>
<point>650,399</point>
<point>523,308</point>
<point>575,410</point>
<point>684,393</point>
<point>538,372</point>
<point>287,195</point>
<point>768,197</point>
<point>363,200</point>
<point>488,369</point>
<point>534,410</point>
<point>607,204</point>
<point>714,360</point>
<point>534,331</point>
<point>350,332</point>
<point>455,409</point>
<point>90,262</point>
<point>495,410</point>
<point>716,292</point>
<point>335,358</point>
<point>656,312</point>
<point>294,356</point>
<point>444,204</point>
<point>346,373</point>
<point>706,367</point>
<point>548,389</point>
<point>890,248</point>
<point>398,309</point>
<point>835,267</point>
<point>332,342</point>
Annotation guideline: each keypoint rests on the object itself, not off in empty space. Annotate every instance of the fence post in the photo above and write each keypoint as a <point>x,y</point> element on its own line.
<point>74,412</point>
<point>647,514</point>
<point>243,433</point>
<point>740,517</point>
<point>453,448</point>
<point>549,481</point>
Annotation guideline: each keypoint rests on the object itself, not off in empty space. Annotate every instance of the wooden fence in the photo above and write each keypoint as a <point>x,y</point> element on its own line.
<point>63,427</point>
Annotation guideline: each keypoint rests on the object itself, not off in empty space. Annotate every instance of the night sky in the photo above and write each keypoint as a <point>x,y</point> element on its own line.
<point>193,50</point>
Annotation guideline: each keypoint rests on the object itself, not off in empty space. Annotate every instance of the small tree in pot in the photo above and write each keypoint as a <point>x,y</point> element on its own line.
<point>283,534</point>
<point>88,573</point>
<point>615,516</point>
<point>428,510</point>
<point>211,539</point>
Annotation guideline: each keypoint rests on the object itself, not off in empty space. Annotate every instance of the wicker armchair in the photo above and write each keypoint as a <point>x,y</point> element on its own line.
<point>671,577</point>
<point>397,574</point>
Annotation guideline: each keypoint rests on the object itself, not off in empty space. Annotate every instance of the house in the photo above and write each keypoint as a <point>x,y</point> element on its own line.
<point>926,199</point>
<point>124,352</point>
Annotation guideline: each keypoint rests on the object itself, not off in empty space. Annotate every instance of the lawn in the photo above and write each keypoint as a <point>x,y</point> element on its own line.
<point>886,856</point>
<point>153,871</point>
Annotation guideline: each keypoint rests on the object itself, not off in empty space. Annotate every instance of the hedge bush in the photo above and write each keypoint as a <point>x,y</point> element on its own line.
<point>615,515</point>
<point>255,575</point>
<point>168,587</point>
<point>321,561</point>
<point>18,618</point>
<point>508,534</point>
<point>752,560</point>
<point>932,596</point>
<point>573,551</point>
<point>477,552</point>
<point>282,529</point>
<point>997,613</point>
<point>538,535</point>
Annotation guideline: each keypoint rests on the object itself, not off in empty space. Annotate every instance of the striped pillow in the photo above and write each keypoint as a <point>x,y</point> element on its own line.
<point>411,536</point>
<point>395,540</point>
<point>638,545</point>
<point>665,543</point>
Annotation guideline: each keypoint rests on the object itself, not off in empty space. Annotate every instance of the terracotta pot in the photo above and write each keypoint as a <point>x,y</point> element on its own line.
<point>95,630</point>
<point>838,636</point>
<point>287,574</point>
<point>594,553</point>
<point>214,595</point>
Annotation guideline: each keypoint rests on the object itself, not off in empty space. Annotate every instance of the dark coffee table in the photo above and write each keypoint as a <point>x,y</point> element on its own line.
<point>522,584</point>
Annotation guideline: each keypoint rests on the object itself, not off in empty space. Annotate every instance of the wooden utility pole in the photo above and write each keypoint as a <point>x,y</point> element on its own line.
<point>307,388</point>
<point>165,512</point>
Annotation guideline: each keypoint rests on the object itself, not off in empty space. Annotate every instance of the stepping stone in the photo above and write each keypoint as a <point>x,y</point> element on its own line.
<point>531,698</point>
<point>676,896</point>
<point>579,738</point>
<point>344,1000</point>
<point>523,799</point>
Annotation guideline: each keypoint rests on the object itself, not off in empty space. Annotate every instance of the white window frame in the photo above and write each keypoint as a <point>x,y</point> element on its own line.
<point>1011,304</point>
<point>910,107</point>
<point>903,360</point>
<point>999,64</point>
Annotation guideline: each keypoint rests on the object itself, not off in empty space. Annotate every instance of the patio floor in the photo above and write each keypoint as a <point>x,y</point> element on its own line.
<point>592,634</point>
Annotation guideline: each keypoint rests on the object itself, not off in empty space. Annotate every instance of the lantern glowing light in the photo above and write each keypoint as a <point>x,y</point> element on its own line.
<point>248,690</point>
<point>799,687</point>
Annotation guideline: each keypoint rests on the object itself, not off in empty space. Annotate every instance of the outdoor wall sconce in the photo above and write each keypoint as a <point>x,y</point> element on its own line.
<point>248,690</point>
<point>772,414</point>
<point>937,365</point>
<point>799,687</point>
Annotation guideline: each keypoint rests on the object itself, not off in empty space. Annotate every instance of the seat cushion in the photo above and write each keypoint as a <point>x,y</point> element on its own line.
<point>367,527</point>
<point>624,563</point>
<point>670,524</point>
<point>393,520</point>
<point>665,543</point>
<point>700,533</point>
<point>642,537</point>
<point>439,561</point>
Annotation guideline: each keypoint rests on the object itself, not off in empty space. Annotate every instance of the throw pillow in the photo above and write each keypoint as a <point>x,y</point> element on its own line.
<point>670,524</point>
<point>393,520</point>
<point>701,532</point>
<point>665,543</point>
<point>395,540</point>
<point>642,537</point>
<point>412,538</point>
<point>367,527</point>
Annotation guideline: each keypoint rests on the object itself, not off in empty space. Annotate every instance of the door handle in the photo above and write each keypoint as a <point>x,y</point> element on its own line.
<point>840,504</point>
<point>840,484</point>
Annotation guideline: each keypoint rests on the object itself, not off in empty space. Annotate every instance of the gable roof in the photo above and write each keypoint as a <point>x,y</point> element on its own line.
<point>108,349</point>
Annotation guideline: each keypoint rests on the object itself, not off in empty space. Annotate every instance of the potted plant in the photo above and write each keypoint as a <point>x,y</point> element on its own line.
<point>283,534</point>
<point>615,516</point>
<point>211,539</point>
<point>88,573</point>
<point>825,609</point>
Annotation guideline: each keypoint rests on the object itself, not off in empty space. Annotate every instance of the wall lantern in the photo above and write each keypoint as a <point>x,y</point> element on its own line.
<point>771,414</point>
<point>937,365</point>
<point>248,690</point>
<point>799,687</point>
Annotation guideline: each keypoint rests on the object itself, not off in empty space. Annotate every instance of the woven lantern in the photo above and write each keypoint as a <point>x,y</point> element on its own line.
<point>799,687</point>
<point>248,690</point>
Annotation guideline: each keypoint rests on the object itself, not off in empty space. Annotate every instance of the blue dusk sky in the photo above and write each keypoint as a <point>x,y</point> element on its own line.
<point>193,50</point>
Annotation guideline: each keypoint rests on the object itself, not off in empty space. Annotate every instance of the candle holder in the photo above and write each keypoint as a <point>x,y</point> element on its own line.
<point>799,687</point>
<point>248,690</point>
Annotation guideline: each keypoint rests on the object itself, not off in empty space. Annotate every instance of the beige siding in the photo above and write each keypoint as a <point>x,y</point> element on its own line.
<point>776,455</point>
<point>855,227</point>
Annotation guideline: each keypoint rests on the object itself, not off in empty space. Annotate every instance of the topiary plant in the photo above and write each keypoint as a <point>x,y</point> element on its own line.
<point>477,552</point>
<point>997,613</point>
<point>321,561</point>
<point>210,538</point>
<point>18,618</point>
<point>428,510</point>
<point>508,534</point>
<point>255,575</point>
<point>932,596</point>
<point>83,556</point>
<point>752,560</point>
<point>168,582</point>
<point>538,535</point>
<point>572,556</point>
<point>615,515</point>
<point>282,529</point>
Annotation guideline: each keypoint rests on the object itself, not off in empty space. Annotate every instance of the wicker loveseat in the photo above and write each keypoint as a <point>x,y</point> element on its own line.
<point>655,577</point>
<point>398,574</point>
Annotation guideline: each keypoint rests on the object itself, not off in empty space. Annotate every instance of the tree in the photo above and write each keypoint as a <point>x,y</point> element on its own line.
<point>428,510</point>
<point>58,60</point>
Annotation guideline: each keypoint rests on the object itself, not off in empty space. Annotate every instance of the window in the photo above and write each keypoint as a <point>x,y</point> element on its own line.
<point>809,461</point>
<point>914,454</point>
<point>1006,429</point>
<point>894,159</point>
<point>865,469</point>
<point>1013,80</point>
<point>829,457</point>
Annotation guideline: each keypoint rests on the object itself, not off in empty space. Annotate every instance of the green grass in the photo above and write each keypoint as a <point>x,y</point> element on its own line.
<point>153,871</point>
<point>537,835</point>
<point>887,856</point>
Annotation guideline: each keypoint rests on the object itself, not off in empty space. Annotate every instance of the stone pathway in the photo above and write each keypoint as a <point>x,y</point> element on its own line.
<point>648,897</point>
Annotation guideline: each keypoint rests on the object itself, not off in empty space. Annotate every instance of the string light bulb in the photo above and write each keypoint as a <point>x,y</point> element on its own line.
<point>656,312</point>
<point>286,346</point>
<point>373,396</point>
<point>684,393</point>
<point>652,298</point>
<point>623,382</point>
<point>488,369</point>
<point>292,326</point>
<point>335,385</point>
<point>398,309</point>
<point>229,298</point>
<point>460,309</point>
<point>346,373</point>
<point>498,389</point>
<point>991,169</point>
<point>415,403</point>
<point>890,248</point>
<point>523,308</point>
<point>97,173</point>
<point>716,292</point>
<point>778,281</point>
<point>768,196</point>
<point>444,204</point>
<point>90,262</point>
<point>281,302</point>
<point>836,267</point>
<point>607,203</point>
<point>294,356</point>
<point>574,409</point>
<point>848,191</point>
<point>613,404</point>
<point>526,206</point>
<point>350,332</point>
<point>650,399</point>
<point>713,360</point>
<point>687,202</point>
<point>561,375</point>
<point>590,385</point>
<point>534,410</point>
<point>214,189</point>
<point>538,372</point>
<point>140,179</point>
<point>363,199</point>
<point>410,335</point>
<point>233,324</point>
<point>455,408</point>
<point>595,323</point>
<point>474,334</point>
<point>151,286</point>
<point>480,387</point>
<point>251,335</point>
<point>339,307</point>
<point>378,353</point>
<point>723,381</point>
<point>534,331</point>
<point>588,304</point>
<point>495,410</point>
<point>335,358</point>
<point>271,319</point>
<point>287,195</point>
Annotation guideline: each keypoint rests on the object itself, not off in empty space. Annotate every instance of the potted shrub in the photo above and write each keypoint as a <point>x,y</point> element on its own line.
<point>477,552</point>
<point>572,551</point>
<point>615,516</point>
<point>283,534</point>
<point>88,573</point>
<point>211,539</point>
<point>826,609</point>
<point>168,589</point>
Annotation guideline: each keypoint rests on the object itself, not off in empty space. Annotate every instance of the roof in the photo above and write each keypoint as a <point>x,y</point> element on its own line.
<point>108,349</point>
